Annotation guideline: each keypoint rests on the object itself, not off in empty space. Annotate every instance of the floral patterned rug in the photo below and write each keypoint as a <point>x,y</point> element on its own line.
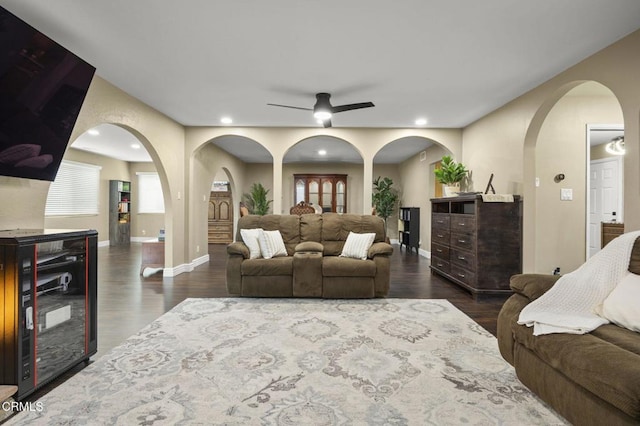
<point>299,362</point>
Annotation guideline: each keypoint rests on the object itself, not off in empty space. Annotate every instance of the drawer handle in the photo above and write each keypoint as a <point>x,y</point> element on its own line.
<point>462,241</point>
<point>440,236</point>
<point>462,224</point>
<point>439,221</point>
<point>462,258</point>
<point>439,250</point>
<point>440,265</point>
<point>461,275</point>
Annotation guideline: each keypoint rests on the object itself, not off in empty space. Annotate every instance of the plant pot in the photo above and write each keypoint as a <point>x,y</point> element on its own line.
<point>451,190</point>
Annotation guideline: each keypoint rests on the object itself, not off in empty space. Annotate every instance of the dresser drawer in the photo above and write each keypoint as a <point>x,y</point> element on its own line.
<point>439,251</point>
<point>464,241</point>
<point>463,259</point>
<point>463,275</point>
<point>440,264</point>
<point>440,220</point>
<point>463,223</point>
<point>440,236</point>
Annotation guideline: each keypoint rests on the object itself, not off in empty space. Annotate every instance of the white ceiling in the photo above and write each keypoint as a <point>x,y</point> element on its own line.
<point>449,61</point>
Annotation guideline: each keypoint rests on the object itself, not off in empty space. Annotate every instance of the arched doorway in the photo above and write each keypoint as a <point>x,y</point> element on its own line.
<point>556,162</point>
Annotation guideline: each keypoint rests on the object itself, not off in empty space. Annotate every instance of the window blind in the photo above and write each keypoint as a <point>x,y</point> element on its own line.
<point>75,191</point>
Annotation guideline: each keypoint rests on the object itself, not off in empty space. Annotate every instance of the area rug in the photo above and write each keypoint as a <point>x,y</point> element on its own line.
<point>299,362</point>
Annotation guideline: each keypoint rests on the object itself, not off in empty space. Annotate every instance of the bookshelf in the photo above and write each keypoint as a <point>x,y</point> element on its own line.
<point>119,212</point>
<point>409,228</point>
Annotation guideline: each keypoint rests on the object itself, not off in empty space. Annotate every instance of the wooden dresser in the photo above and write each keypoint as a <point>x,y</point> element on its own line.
<point>610,230</point>
<point>476,244</point>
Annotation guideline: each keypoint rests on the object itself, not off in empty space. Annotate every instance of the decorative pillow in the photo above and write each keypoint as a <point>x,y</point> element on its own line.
<point>271,244</point>
<point>251,238</point>
<point>621,307</point>
<point>357,245</point>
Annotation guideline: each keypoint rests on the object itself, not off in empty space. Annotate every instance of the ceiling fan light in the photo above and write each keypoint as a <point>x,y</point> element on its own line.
<point>322,115</point>
<point>616,146</point>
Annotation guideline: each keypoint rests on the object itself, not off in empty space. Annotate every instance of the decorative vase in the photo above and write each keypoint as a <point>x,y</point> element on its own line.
<point>451,190</point>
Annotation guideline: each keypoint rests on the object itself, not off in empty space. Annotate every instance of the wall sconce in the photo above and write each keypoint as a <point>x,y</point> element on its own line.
<point>558,178</point>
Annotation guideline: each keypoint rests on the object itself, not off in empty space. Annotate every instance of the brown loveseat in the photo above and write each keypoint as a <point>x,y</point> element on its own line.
<point>312,267</point>
<point>591,379</point>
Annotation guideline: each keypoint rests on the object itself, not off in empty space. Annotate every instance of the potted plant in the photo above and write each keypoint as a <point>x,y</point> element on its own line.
<point>384,198</point>
<point>450,174</point>
<point>256,200</point>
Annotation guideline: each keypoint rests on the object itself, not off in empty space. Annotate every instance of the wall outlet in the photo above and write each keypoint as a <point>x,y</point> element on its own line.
<point>566,194</point>
<point>197,249</point>
<point>144,232</point>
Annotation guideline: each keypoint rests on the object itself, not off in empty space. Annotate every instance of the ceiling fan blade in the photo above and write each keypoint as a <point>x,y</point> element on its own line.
<point>349,107</point>
<point>289,106</point>
<point>326,123</point>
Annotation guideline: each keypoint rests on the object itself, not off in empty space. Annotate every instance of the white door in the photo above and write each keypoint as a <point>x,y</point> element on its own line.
<point>604,197</point>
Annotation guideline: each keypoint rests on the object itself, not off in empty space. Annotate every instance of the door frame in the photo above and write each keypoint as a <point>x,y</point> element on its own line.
<point>589,128</point>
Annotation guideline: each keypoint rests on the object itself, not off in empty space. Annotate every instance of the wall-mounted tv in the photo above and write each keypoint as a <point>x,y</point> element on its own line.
<point>42,87</point>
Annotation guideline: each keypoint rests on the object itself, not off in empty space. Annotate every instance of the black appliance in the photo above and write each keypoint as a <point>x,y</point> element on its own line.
<point>42,87</point>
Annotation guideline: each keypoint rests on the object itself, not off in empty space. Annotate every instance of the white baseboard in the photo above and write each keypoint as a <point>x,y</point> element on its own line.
<point>103,243</point>
<point>421,252</point>
<point>185,267</point>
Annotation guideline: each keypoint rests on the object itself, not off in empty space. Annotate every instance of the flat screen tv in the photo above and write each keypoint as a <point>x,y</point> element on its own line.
<point>42,87</point>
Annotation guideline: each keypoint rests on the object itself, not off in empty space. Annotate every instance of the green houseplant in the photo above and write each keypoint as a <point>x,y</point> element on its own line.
<point>384,198</point>
<point>451,174</point>
<point>256,200</point>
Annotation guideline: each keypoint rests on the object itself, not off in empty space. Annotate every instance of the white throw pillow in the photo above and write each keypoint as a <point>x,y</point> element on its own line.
<point>621,307</point>
<point>271,244</point>
<point>357,245</point>
<point>251,238</point>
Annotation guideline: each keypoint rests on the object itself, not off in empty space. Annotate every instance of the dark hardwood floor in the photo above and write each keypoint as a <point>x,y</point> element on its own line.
<point>127,302</point>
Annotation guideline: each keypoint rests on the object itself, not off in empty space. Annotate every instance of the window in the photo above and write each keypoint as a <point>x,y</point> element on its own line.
<point>150,198</point>
<point>75,191</point>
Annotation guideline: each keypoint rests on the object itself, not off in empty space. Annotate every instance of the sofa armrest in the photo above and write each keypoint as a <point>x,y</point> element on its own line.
<point>238,248</point>
<point>309,246</point>
<point>532,286</point>
<point>380,249</point>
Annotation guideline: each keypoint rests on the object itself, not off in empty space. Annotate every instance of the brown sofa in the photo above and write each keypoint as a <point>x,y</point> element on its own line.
<point>312,267</point>
<point>590,379</point>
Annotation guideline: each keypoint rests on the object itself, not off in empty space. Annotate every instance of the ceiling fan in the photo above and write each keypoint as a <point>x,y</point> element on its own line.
<point>323,110</point>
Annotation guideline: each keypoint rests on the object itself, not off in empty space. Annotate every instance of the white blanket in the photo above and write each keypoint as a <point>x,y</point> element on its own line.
<point>570,306</point>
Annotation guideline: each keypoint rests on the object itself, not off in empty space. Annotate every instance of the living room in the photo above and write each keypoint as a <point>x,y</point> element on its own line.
<point>524,143</point>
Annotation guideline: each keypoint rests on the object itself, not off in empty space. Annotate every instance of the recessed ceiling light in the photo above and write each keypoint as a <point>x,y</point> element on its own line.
<point>322,152</point>
<point>226,120</point>
<point>135,146</point>
<point>421,121</point>
<point>93,132</point>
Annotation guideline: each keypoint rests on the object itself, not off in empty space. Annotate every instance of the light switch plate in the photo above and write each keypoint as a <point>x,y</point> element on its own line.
<point>566,194</point>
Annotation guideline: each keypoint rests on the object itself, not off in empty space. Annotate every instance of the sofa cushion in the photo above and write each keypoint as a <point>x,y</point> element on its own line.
<point>334,266</point>
<point>268,267</point>
<point>596,361</point>
<point>271,244</point>
<point>622,306</point>
<point>532,286</point>
<point>288,225</point>
<point>357,245</point>
<point>336,228</point>
<point>311,227</point>
<point>251,238</point>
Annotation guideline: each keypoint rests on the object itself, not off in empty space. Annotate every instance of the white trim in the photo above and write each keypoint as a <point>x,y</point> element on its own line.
<point>424,253</point>
<point>200,261</point>
<point>185,267</point>
<point>104,243</point>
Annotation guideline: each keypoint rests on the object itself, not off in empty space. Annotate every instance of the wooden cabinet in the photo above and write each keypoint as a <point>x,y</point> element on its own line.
<point>610,230</point>
<point>476,244</point>
<point>119,212</point>
<point>220,218</point>
<point>328,191</point>
<point>48,312</point>
<point>409,228</point>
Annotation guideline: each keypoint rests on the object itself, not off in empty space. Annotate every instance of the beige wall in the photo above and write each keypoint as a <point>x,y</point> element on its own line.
<point>505,141</point>
<point>562,148</point>
<point>599,152</point>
